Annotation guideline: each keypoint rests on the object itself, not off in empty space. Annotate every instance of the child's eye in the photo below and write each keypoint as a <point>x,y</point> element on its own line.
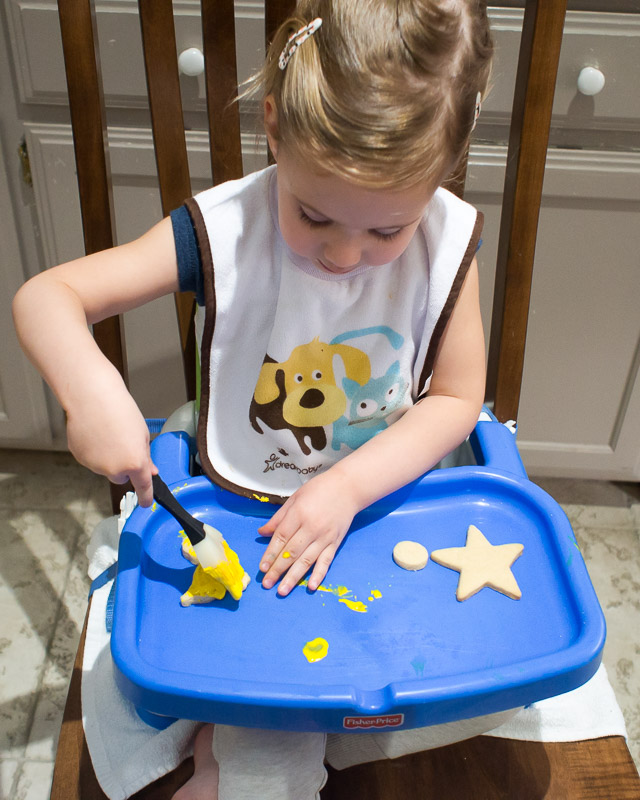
<point>312,223</point>
<point>386,237</point>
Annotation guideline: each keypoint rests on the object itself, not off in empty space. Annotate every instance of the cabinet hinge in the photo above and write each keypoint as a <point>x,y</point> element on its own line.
<point>23,153</point>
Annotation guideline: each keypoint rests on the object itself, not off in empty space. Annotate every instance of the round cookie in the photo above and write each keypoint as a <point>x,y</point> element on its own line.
<point>410,555</point>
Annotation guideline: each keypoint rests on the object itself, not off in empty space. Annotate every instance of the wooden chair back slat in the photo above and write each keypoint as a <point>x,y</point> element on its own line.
<point>165,104</point>
<point>88,122</point>
<point>526,158</point>
<point>219,36</point>
<point>165,101</point>
<point>275,13</point>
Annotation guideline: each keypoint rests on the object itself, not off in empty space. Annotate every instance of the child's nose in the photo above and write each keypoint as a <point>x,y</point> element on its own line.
<point>343,252</point>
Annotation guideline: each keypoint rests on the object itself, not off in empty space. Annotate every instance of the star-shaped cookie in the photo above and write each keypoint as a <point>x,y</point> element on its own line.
<point>481,564</point>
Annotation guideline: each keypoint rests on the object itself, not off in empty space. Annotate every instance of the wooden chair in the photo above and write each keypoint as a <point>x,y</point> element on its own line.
<point>481,767</point>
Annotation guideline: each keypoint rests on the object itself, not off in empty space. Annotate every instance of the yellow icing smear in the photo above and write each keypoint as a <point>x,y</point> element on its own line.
<point>342,593</point>
<point>316,649</point>
<point>354,605</point>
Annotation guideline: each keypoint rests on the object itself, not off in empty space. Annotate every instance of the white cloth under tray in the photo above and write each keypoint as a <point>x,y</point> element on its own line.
<point>127,754</point>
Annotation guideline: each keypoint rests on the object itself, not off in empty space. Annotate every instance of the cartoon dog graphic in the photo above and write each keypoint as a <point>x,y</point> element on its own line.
<point>301,393</point>
<point>370,405</point>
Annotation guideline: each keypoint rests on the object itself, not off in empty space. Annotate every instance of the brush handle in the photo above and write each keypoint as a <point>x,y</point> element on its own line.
<point>165,497</point>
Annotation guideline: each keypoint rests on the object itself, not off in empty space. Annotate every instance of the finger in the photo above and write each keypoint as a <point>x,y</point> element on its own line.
<point>299,569</point>
<point>279,543</point>
<point>269,527</point>
<point>142,484</point>
<point>278,565</point>
<point>321,567</point>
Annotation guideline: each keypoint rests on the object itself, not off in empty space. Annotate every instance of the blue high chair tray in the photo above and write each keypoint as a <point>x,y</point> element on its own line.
<point>403,652</point>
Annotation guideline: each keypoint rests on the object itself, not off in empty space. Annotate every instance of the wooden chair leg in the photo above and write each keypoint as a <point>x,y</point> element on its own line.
<point>73,775</point>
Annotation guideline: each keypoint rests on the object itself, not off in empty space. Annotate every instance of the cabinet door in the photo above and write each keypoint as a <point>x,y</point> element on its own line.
<point>580,408</point>
<point>24,419</point>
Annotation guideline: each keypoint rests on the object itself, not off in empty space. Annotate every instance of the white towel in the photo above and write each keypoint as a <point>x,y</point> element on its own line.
<point>127,754</point>
<point>588,712</point>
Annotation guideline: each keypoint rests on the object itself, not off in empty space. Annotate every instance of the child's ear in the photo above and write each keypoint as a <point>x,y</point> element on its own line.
<point>271,123</point>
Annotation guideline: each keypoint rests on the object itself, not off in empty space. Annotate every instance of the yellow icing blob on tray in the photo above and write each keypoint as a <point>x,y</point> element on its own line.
<point>316,649</point>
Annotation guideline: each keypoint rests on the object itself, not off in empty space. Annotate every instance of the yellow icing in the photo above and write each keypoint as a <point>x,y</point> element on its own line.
<point>227,574</point>
<point>286,554</point>
<point>316,649</point>
<point>354,605</point>
<point>261,498</point>
<point>204,585</point>
<point>341,593</point>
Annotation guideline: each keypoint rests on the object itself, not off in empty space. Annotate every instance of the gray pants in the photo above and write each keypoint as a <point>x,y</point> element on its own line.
<point>281,765</point>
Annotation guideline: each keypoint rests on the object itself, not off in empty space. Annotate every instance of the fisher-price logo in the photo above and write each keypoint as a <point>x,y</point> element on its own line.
<point>385,721</point>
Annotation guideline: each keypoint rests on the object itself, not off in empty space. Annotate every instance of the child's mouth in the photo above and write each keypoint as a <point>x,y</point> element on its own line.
<point>334,270</point>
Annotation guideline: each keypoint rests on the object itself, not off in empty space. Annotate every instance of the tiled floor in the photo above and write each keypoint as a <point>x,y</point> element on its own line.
<point>49,506</point>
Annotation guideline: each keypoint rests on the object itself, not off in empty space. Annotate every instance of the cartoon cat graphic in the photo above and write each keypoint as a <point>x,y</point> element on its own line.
<point>369,405</point>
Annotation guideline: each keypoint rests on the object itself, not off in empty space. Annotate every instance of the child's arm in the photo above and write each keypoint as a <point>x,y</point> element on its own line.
<point>312,523</point>
<point>106,431</point>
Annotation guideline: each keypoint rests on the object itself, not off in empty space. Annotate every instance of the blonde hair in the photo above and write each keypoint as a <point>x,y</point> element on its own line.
<point>385,91</point>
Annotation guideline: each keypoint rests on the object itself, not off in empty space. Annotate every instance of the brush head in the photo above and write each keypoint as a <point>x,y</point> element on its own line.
<point>219,561</point>
<point>210,550</point>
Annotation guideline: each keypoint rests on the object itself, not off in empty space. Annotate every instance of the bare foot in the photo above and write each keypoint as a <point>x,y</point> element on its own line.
<point>203,784</point>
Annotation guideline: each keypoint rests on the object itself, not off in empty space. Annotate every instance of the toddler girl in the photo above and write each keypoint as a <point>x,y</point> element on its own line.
<point>342,350</point>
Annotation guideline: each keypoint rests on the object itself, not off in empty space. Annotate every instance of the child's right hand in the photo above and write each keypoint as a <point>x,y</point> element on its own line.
<point>112,439</point>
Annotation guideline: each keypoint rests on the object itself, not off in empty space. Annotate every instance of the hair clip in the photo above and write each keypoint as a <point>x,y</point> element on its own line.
<point>477,110</point>
<point>296,39</point>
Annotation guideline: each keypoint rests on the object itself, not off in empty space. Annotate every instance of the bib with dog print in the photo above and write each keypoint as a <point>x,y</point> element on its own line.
<point>300,367</point>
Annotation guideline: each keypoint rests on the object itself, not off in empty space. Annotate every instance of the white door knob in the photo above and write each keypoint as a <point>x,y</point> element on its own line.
<point>590,81</point>
<point>191,62</point>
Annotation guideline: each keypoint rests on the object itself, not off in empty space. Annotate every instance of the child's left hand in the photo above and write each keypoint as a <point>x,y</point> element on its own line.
<point>307,530</point>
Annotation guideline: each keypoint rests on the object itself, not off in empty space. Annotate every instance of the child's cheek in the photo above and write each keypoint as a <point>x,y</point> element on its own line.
<point>299,239</point>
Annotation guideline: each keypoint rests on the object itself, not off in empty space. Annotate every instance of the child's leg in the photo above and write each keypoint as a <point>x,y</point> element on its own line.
<point>271,765</point>
<point>203,784</point>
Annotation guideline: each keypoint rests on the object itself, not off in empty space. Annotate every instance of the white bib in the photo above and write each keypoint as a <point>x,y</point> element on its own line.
<point>299,368</point>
